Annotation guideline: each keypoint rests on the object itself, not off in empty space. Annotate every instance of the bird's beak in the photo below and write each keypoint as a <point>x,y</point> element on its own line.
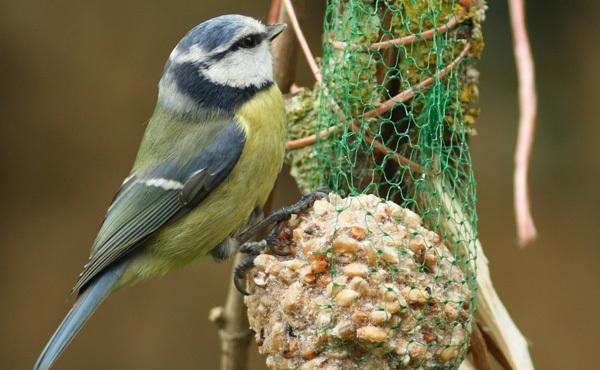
<point>274,30</point>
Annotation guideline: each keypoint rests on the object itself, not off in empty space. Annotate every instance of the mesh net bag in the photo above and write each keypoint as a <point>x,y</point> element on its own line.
<point>382,273</point>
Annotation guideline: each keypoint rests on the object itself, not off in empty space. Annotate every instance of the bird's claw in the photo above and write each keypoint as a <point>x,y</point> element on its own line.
<point>240,271</point>
<point>253,249</point>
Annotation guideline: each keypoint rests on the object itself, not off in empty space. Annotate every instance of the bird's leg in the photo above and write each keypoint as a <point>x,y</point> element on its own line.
<point>278,217</point>
<point>225,249</point>
<point>253,248</point>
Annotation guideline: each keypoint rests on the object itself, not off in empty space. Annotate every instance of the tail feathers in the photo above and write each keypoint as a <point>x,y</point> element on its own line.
<point>83,308</point>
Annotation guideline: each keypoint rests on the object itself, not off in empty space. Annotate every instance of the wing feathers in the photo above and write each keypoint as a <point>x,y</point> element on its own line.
<point>146,202</point>
<point>131,231</point>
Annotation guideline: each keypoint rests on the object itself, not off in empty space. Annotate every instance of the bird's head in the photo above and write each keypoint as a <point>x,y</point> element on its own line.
<point>218,64</point>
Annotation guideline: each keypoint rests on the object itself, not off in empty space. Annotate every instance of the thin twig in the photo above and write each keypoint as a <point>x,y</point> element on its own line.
<point>384,107</point>
<point>405,40</point>
<point>426,83</point>
<point>381,148</point>
<point>308,140</point>
<point>527,101</point>
<point>302,40</point>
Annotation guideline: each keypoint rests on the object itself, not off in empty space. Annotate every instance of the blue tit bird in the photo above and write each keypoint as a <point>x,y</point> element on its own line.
<point>208,160</point>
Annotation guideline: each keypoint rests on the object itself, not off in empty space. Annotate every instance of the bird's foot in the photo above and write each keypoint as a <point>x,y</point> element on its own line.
<point>271,242</point>
<point>253,249</point>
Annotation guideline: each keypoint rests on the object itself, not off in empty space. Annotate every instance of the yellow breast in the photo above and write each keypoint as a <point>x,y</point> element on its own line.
<point>263,119</point>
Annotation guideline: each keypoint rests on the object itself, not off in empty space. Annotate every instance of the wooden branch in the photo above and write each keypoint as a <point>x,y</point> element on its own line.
<point>233,327</point>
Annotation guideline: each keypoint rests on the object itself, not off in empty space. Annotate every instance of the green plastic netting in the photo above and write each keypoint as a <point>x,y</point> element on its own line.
<point>398,100</point>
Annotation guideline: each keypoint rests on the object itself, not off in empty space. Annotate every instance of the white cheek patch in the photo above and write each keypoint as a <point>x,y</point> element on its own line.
<point>243,67</point>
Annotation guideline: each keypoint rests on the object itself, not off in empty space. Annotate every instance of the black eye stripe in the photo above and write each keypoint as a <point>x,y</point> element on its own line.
<point>258,38</point>
<point>248,41</point>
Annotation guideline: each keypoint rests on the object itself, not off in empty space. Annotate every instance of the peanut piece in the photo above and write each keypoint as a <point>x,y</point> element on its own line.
<point>344,244</point>
<point>298,235</point>
<point>291,300</point>
<point>431,259</point>
<point>320,207</point>
<point>372,334</point>
<point>263,260</point>
<point>417,297</point>
<point>379,316</point>
<point>359,317</point>
<point>451,311</point>
<point>346,297</point>
<point>277,334</point>
<point>358,233</point>
<point>360,285</point>
<point>356,269</point>
<point>344,330</point>
<point>448,354</point>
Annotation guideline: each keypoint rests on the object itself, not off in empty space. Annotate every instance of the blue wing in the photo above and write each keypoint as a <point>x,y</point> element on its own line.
<point>145,203</point>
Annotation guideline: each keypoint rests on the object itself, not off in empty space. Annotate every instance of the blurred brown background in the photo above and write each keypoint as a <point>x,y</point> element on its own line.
<point>78,81</point>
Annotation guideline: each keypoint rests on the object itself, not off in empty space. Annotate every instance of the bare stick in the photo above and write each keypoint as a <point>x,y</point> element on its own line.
<point>527,101</point>
<point>234,329</point>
